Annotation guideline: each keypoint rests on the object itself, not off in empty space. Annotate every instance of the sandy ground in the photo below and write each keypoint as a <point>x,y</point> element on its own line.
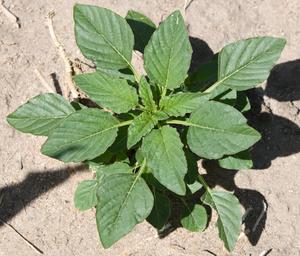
<point>37,192</point>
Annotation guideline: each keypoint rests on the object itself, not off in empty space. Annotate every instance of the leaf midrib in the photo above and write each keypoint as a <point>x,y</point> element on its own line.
<point>177,174</point>
<point>169,57</point>
<point>87,137</point>
<point>239,69</point>
<point>39,118</point>
<point>125,200</point>
<point>215,129</point>
<point>218,211</point>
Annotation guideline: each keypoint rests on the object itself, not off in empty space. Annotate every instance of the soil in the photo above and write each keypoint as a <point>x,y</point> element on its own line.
<point>36,195</point>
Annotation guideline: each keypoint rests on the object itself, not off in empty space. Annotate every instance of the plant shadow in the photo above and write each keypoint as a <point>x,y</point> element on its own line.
<point>16,197</point>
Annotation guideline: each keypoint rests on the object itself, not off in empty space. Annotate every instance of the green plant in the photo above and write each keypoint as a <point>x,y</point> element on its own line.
<point>145,149</point>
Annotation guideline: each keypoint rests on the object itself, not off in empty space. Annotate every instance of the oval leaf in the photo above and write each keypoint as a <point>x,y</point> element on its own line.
<point>83,135</point>
<point>193,217</point>
<point>241,160</point>
<point>103,36</point>
<point>228,209</point>
<point>113,93</point>
<point>41,114</point>
<point>168,54</point>
<point>246,63</point>
<point>86,195</point>
<point>124,200</point>
<point>217,129</point>
<point>165,157</point>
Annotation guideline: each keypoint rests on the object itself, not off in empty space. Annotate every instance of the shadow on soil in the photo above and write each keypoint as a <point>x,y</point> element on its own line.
<point>14,198</point>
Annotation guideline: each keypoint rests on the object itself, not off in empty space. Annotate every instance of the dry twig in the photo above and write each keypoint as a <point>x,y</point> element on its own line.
<point>13,18</point>
<point>31,245</point>
<point>62,53</point>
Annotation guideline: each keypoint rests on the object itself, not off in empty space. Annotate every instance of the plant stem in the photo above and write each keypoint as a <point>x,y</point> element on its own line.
<point>141,170</point>
<point>136,75</point>
<point>125,123</point>
<point>164,92</point>
<point>181,122</point>
<point>214,86</point>
<point>203,182</point>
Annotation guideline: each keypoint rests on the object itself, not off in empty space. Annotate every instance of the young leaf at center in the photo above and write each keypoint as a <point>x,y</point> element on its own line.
<point>165,157</point>
<point>182,103</point>
<point>140,126</point>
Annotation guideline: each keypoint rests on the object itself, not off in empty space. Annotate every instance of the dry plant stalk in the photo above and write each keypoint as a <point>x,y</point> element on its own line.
<point>13,18</point>
<point>68,63</point>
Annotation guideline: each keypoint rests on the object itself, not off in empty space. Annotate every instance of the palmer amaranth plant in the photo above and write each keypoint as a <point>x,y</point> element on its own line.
<point>147,132</point>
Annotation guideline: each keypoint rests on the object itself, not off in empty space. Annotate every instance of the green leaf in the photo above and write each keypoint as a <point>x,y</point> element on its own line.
<point>109,92</point>
<point>86,195</point>
<point>228,209</point>
<point>160,212</point>
<point>246,63</point>
<point>241,160</point>
<point>146,95</point>
<point>41,114</point>
<point>204,76</point>
<point>103,171</point>
<point>103,36</point>
<point>140,126</point>
<point>163,150</point>
<point>182,103</point>
<point>142,28</point>
<point>124,200</point>
<point>217,129</point>
<point>83,135</point>
<point>193,217</point>
<point>168,54</point>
